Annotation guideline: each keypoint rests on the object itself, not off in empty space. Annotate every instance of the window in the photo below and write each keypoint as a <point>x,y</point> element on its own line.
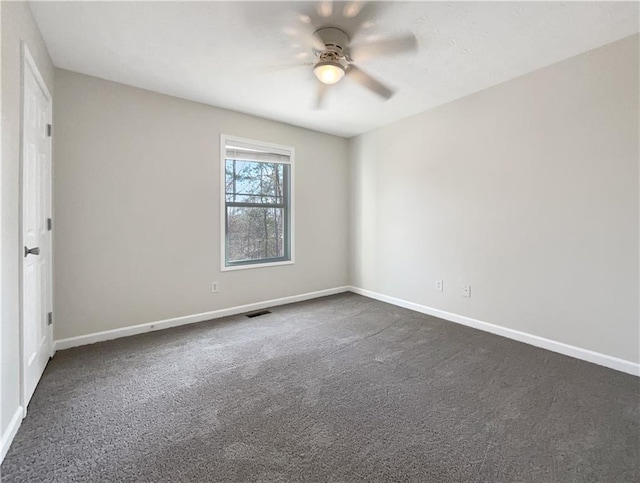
<point>257,203</point>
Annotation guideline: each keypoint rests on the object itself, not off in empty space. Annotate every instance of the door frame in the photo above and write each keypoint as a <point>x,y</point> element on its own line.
<point>29,63</point>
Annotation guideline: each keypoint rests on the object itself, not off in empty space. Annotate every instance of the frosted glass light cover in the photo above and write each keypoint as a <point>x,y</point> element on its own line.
<point>328,72</point>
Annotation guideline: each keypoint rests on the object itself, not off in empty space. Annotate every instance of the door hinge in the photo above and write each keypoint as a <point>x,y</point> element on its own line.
<point>48,130</point>
<point>49,224</point>
<point>50,318</point>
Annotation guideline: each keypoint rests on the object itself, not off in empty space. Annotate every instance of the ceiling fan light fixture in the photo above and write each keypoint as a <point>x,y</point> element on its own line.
<point>329,72</point>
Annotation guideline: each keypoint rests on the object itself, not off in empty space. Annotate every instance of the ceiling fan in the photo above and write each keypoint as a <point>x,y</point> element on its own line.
<point>335,56</point>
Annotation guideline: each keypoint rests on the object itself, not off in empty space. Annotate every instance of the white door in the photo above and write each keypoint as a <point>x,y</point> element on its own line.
<point>36,236</point>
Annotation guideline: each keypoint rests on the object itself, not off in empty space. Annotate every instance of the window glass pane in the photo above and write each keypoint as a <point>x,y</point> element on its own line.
<point>255,233</point>
<point>254,182</point>
<point>257,208</point>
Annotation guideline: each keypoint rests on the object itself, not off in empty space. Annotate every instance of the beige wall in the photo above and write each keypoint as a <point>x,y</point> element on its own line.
<point>17,26</point>
<point>527,191</point>
<point>136,208</point>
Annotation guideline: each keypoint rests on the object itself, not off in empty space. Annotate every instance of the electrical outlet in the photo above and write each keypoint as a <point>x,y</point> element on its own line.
<point>466,291</point>
<point>214,287</point>
<point>439,285</point>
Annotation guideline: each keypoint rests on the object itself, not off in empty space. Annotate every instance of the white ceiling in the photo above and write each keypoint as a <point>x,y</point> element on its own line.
<point>224,53</point>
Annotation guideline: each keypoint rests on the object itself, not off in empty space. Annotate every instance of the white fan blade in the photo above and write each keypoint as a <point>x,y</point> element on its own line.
<point>320,93</point>
<point>360,14</point>
<point>266,69</point>
<point>365,80</point>
<point>406,43</point>
<point>299,27</point>
<point>315,41</point>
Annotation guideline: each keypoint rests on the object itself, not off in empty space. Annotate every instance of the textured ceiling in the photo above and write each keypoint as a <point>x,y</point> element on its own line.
<point>226,53</point>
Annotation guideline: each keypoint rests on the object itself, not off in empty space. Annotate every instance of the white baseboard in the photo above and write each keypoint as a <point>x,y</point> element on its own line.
<point>10,432</point>
<point>188,319</point>
<point>552,345</point>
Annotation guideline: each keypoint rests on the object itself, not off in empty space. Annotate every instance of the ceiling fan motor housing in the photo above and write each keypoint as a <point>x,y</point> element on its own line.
<point>335,41</point>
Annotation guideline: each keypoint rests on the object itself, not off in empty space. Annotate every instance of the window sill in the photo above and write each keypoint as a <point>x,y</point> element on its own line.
<point>255,265</point>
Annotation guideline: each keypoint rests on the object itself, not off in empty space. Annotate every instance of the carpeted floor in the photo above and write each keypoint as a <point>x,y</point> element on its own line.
<point>342,388</point>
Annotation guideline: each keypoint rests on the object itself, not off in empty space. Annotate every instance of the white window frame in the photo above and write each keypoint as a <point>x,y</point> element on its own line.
<point>223,203</point>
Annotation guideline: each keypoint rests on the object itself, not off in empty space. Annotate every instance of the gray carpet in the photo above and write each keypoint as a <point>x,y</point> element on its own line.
<point>342,388</point>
